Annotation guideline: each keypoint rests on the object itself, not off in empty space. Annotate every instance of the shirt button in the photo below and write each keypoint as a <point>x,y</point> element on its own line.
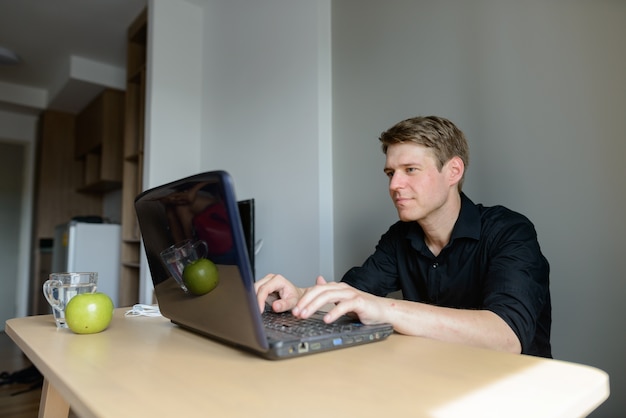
<point>435,265</point>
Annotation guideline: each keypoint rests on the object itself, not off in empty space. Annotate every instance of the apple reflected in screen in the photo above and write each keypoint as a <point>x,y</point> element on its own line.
<point>201,276</point>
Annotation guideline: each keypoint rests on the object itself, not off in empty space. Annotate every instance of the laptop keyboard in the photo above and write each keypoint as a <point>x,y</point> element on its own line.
<point>310,327</point>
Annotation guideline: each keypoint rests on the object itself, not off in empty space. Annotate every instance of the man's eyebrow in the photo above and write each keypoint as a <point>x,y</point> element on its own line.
<point>403,165</point>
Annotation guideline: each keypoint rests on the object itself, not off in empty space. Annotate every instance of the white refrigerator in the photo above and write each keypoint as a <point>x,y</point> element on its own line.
<point>83,246</point>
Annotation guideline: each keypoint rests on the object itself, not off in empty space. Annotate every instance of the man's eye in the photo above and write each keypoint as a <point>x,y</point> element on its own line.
<point>411,169</point>
<point>389,174</point>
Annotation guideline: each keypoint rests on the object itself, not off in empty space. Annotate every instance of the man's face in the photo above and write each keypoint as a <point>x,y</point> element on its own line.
<point>416,186</point>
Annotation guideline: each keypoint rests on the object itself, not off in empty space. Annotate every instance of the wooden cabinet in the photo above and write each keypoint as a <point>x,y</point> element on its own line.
<point>133,158</point>
<point>56,198</point>
<point>99,142</point>
<point>59,176</point>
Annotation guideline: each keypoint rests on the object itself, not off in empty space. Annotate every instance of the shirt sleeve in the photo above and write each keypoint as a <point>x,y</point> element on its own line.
<point>517,282</point>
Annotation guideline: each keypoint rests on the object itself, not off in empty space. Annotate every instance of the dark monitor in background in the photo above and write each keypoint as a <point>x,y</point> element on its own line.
<point>246,213</point>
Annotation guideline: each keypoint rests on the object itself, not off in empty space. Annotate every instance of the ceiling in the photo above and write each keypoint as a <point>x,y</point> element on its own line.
<point>47,35</point>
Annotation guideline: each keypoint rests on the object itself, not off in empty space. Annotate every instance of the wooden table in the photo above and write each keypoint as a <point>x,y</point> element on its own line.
<point>147,367</point>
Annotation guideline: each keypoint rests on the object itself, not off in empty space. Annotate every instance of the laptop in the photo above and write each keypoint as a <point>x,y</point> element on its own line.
<point>202,211</point>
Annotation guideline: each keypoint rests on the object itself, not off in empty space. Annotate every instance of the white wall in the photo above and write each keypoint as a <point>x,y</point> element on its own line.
<point>173,114</point>
<point>245,87</point>
<point>538,88</point>
<point>267,122</point>
<point>173,91</point>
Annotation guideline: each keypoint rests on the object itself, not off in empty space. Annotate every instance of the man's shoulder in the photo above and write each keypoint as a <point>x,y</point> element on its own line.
<point>494,212</point>
<point>500,213</point>
<point>478,218</point>
<point>501,221</point>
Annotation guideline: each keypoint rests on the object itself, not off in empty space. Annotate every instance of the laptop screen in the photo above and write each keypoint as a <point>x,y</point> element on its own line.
<point>198,218</point>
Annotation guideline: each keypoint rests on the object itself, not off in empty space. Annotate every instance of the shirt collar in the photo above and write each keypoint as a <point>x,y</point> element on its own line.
<point>468,223</point>
<point>467,226</point>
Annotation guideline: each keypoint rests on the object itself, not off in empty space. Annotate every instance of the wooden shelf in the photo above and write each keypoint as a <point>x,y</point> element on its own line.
<point>137,75</point>
<point>100,186</point>
<point>132,166</point>
<point>137,45</point>
<point>99,142</point>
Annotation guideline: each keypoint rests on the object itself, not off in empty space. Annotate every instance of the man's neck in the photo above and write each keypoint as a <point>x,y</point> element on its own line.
<point>438,227</point>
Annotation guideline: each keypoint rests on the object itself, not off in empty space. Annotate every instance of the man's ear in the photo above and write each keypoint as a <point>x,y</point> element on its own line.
<point>456,168</point>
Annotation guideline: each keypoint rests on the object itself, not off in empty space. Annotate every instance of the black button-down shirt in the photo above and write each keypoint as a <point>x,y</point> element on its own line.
<point>493,261</point>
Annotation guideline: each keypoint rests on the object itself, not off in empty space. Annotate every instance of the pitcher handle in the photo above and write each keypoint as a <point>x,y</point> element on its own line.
<point>48,292</point>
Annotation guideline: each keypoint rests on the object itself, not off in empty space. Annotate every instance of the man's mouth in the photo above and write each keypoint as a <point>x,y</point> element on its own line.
<point>399,201</point>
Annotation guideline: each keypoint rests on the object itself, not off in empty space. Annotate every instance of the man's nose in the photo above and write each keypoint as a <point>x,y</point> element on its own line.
<point>395,182</point>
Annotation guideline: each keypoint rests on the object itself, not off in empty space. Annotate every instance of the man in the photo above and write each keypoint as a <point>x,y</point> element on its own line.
<point>468,274</point>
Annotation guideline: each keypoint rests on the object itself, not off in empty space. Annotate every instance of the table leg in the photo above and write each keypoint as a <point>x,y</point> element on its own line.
<point>52,404</point>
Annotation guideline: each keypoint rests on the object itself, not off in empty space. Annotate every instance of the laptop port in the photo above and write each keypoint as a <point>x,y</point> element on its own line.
<point>303,348</point>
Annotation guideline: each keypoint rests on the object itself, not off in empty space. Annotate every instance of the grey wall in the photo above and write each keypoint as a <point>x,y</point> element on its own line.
<point>540,90</point>
<point>537,86</point>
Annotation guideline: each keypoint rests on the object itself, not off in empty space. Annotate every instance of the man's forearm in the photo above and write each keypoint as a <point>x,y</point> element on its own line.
<point>480,328</point>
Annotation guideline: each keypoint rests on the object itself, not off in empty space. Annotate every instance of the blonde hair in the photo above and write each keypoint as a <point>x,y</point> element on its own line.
<point>439,134</point>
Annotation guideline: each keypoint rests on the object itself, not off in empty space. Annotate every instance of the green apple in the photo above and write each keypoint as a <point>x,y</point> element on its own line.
<point>201,276</point>
<point>89,313</point>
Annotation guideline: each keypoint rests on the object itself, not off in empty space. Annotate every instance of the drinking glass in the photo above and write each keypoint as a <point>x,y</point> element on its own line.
<point>61,287</point>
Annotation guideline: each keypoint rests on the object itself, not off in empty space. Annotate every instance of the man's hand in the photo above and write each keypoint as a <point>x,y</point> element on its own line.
<point>282,296</point>
<point>346,300</point>
<point>277,291</point>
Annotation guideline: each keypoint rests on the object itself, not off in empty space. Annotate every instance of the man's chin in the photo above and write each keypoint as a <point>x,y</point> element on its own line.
<point>405,216</point>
